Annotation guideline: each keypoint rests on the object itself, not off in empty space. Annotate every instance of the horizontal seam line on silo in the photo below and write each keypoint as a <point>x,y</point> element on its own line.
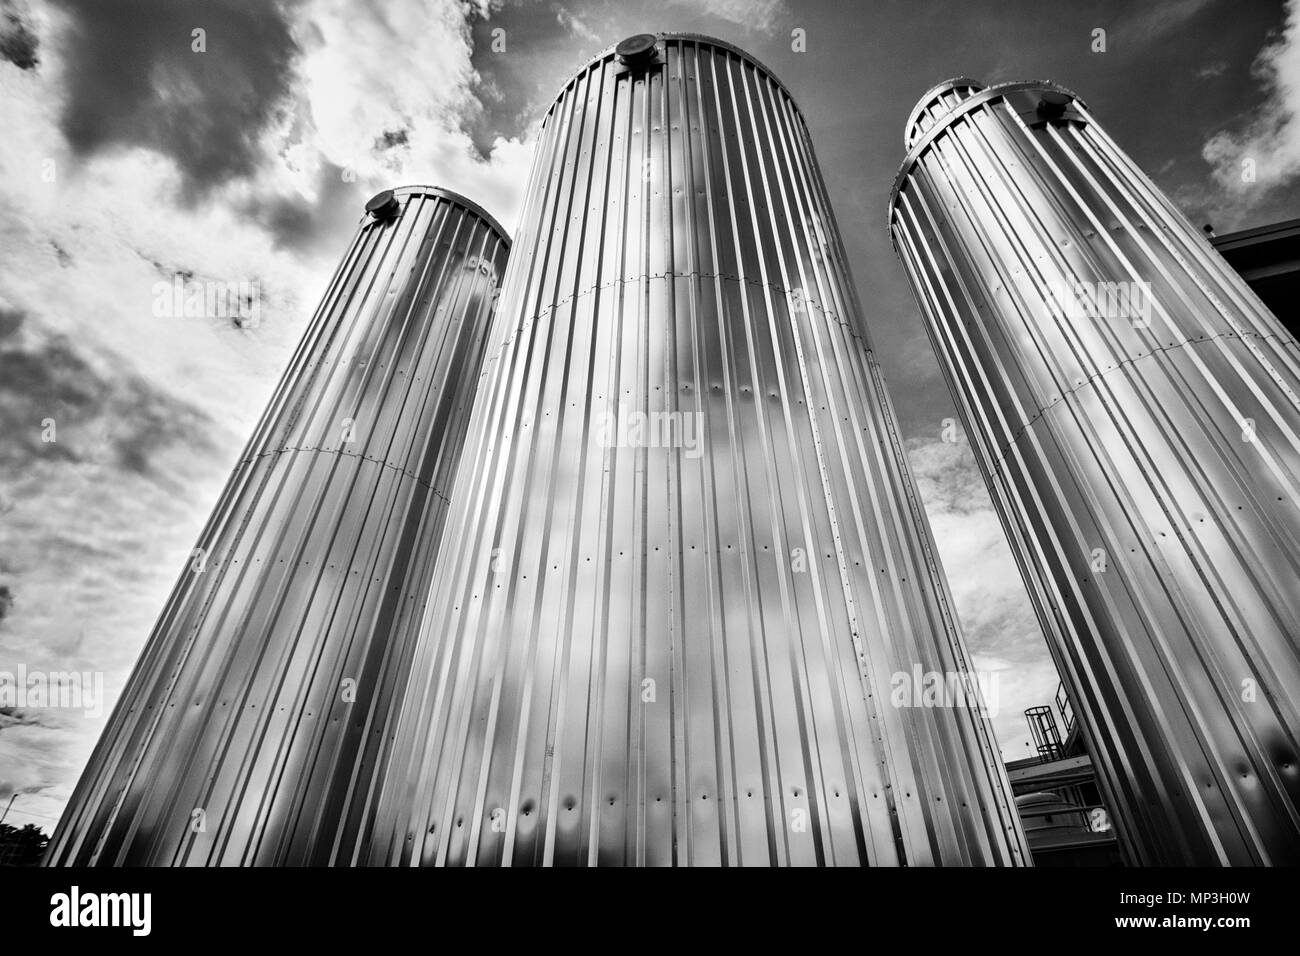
<point>346,454</point>
<point>754,283</point>
<point>1283,340</point>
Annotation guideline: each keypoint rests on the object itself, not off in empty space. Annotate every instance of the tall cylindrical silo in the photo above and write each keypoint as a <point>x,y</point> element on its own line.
<point>1133,407</point>
<point>255,726</point>
<point>694,580</point>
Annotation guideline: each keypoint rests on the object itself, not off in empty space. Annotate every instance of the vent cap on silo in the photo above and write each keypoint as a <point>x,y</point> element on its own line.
<point>637,50</point>
<point>937,102</point>
<point>383,205</point>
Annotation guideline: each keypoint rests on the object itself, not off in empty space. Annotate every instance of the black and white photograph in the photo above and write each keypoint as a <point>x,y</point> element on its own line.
<point>690,434</point>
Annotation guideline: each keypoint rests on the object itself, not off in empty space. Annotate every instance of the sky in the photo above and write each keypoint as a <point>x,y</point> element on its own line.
<point>133,149</point>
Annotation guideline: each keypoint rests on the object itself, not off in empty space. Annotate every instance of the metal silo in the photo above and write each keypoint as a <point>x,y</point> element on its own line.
<point>1133,407</point>
<point>693,572</point>
<point>255,725</point>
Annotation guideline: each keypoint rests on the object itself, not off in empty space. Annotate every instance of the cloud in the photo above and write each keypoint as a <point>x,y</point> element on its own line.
<point>91,418</point>
<point>1001,629</point>
<point>574,25</point>
<point>390,113</point>
<point>18,41</point>
<point>1154,21</point>
<point>759,15</point>
<point>124,163</point>
<point>1251,163</point>
<point>139,81</point>
<point>91,517</point>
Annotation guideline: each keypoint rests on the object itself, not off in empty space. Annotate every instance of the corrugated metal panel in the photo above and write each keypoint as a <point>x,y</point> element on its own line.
<point>678,647</point>
<point>318,558</point>
<point>1159,441</point>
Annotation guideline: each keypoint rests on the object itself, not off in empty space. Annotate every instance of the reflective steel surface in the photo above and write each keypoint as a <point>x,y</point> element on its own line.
<point>1133,407</point>
<point>254,728</point>
<point>691,562</point>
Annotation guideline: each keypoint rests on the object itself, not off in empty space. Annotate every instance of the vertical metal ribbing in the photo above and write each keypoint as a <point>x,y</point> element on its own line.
<point>254,728</point>
<point>1145,461</point>
<point>680,649</point>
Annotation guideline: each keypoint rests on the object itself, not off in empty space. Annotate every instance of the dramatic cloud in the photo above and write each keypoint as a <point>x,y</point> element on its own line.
<point>198,83</point>
<point>101,470</point>
<point>128,159</point>
<point>388,111</point>
<point>122,420</point>
<point>1250,164</point>
<point>18,42</point>
<point>1001,629</point>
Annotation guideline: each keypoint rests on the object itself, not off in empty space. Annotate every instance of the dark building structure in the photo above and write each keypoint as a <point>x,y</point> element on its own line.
<point>1268,258</point>
<point>1066,820</point>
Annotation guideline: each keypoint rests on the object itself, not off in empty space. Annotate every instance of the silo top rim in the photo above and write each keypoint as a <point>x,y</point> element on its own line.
<point>961,109</point>
<point>454,197</point>
<point>703,38</point>
<point>952,83</point>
